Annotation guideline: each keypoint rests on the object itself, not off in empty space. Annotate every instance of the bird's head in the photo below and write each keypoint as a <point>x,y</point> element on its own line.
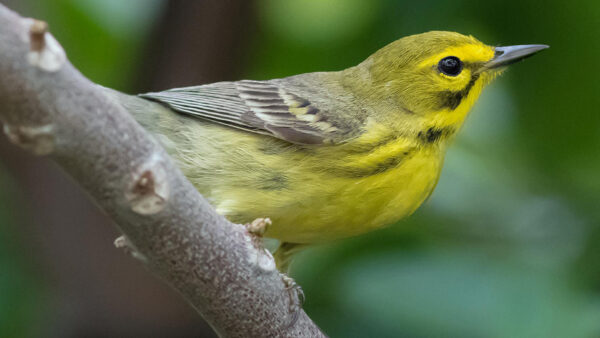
<point>437,73</point>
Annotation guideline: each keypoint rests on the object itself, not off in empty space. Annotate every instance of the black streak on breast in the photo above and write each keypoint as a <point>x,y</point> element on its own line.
<point>432,135</point>
<point>387,164</point>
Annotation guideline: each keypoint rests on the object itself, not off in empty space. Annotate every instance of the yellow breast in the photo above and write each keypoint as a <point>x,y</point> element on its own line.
<point>338,206</point>
<point>315,194</point>
<point>311,194</point>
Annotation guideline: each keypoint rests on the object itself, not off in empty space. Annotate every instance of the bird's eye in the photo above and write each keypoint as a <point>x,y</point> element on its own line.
<point>450,65</point>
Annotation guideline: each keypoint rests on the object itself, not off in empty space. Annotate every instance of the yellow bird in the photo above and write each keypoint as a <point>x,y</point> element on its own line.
<point>328,155</point>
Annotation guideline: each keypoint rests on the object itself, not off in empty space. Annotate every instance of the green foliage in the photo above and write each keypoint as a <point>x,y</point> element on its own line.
<point>103,38</point>
<point>21,294</point>
<point>507,246</point>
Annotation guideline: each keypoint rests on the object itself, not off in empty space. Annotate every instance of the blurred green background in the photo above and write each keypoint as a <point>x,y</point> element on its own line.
<point>507,246</point>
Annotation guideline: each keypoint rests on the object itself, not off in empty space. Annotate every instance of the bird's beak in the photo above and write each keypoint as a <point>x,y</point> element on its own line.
<point>510,54</point>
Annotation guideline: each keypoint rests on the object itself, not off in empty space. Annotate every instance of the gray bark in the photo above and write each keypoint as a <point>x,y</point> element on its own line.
<point>49,108</point>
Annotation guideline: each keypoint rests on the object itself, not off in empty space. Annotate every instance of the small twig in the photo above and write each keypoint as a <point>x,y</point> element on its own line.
<point>37,33</point>
<point>44,51</point>
<point>122,242</point>
<point>38,140</point>
<point>149,189</point>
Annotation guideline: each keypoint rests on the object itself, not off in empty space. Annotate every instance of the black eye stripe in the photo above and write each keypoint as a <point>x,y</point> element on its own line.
<point>451,100</point>
<point>450,65</point>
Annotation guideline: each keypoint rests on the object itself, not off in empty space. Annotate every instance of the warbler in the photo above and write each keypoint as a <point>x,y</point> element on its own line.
<point>328,155</point>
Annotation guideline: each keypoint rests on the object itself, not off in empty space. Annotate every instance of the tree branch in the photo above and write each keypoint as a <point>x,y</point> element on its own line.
<point>49,108</point>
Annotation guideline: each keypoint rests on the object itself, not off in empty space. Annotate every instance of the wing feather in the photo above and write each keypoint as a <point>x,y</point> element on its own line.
<point>263,107</point>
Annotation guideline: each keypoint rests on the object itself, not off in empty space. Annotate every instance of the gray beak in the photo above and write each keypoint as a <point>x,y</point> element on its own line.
<point>511,54</point>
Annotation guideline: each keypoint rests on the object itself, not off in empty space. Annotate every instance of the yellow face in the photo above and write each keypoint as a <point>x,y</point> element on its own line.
<point>455,67</point>
<point>455,78</point>
<point>433,72</point>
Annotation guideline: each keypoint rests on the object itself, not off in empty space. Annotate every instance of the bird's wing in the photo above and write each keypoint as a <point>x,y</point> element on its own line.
<point>264,107</point>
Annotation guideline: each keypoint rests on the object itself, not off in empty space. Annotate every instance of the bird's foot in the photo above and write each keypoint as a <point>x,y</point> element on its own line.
<point>257,229</point>
<point>259,226</point>
<point>296,296</point>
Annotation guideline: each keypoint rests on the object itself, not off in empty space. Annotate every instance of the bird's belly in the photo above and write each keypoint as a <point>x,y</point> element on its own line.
<point>306,202</point>
<point>321,209</point>
<point>360,206</point>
